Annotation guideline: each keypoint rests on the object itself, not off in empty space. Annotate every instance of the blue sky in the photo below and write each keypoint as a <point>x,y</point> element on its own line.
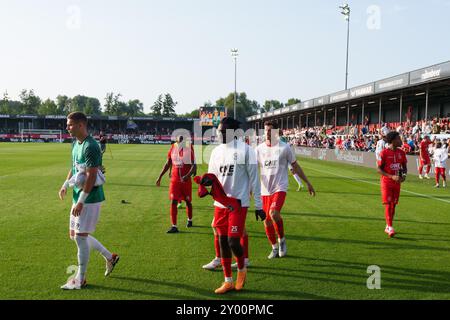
<point>140,48</point>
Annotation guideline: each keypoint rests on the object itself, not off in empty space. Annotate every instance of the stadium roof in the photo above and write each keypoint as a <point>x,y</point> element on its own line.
<point>429,74</point>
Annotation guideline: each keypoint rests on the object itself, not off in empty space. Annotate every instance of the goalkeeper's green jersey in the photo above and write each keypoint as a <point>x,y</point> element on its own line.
<point>87,154</point>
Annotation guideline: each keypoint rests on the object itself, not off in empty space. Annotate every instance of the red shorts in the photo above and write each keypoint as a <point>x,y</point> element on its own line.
<point>440,171</point>
<point>229,223</point>
<point>179,191</point>
<point>425,161</point>
<point>390,193</point>
<point>273,202</point>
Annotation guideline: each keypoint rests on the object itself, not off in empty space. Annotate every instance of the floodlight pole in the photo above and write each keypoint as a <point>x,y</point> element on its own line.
<point>234,54</point>
<point>346,12</point>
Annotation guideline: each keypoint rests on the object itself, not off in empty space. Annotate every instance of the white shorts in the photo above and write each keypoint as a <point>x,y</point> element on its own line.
<point>87,220</point>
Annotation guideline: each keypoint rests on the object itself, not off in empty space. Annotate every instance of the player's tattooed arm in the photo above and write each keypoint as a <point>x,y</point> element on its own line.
<point>63,189</point>
<point>297,169</point>
<point>166,167</point>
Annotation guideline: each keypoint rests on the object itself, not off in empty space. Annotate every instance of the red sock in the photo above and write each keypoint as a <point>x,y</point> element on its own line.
<point>420,169</point>
<point>244,244</point>
<point>428,169</point>
<point>189,210</point>
<point>437,176</point>
<point>217,245</point>
<point>226,264</point>
<point>279,228</point>
<point>173,213</point>
<point>387,215</point>
<point>270,232</point>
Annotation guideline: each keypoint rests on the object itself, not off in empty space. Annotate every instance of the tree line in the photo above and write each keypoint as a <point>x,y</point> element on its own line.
<point>30,103</point>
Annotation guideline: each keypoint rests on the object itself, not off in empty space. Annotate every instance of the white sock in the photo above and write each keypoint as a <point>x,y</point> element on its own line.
<point>275,247</point>
<point>228,279</point>
<point>95,244</point>
<point>297,178</point>
<point>174,225</point>
<point>83,257</point>
<point>281,240</point>
<point>189,219</point>
<point>217,259</point>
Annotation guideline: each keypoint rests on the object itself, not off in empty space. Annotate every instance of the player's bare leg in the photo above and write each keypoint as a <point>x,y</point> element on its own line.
<point>279,228</point>
<point>270,232</point>
<point>173,216</point>
<point>189,214</point>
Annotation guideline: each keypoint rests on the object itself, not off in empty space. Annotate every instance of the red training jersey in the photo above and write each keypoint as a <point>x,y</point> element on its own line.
<point>406,147</point>
<point>392,161</point>
<point>424,148</point>
<point>182,158</point>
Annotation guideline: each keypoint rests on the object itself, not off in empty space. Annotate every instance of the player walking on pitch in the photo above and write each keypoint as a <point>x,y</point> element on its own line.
<point>182,160</point>
<point>85,211</point>
<point>440,156</point>
<point>233,162</point>
<point>424,155</point>
<point>393,169</point>
<point>274,158</point>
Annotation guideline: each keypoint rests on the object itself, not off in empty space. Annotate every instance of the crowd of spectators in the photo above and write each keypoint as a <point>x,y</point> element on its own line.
<point>360,138</point>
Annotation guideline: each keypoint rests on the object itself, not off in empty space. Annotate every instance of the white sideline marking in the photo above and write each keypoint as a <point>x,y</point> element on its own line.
<point>377,184</point>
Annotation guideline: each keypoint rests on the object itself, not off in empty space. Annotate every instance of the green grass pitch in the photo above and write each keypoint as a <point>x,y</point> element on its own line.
<point>331,238</point>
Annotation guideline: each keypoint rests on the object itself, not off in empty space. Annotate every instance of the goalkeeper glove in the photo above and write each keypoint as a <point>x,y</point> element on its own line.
<point>260,214</point>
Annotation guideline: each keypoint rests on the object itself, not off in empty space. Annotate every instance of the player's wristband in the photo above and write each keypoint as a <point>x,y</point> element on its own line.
<point>82,198</point>
<point>65,184</point>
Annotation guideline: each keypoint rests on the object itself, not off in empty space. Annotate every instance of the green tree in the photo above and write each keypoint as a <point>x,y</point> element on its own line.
<point>4,104</point>
<point>92,106</point>
<point>244,106</point>
<point>293,101</point>
<point>30,102</point>
<point>168,106</point>
<point>135,108</point>
<point>157,106</point>
<point>272,105</point>
<point>48,107</point>
<point>113,105</point>
<point>62,104</point>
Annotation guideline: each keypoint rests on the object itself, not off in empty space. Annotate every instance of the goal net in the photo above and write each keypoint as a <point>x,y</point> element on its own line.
<point>41,134</point>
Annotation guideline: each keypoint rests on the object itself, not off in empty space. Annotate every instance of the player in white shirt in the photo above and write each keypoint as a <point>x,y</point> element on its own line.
<point>381,144</point>
<point>440,156</point>
<point>234,164</point>
<point>274,158</point>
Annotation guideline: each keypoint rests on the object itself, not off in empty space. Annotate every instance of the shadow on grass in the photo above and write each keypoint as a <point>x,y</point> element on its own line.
<point>196,291</point>
<point>335,216</point>
<point>394,243</point>
<point>393,277</point>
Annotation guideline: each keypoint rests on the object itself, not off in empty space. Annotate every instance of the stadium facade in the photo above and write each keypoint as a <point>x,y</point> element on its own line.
<point>417,95</point>
<point>117,129</point>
